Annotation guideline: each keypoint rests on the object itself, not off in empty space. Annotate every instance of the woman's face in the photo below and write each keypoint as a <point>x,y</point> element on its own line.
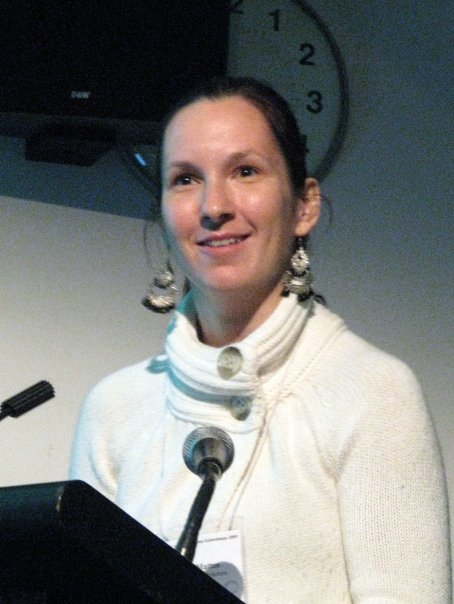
<point>228,206</point>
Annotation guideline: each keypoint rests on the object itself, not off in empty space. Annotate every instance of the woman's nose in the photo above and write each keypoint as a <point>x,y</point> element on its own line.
<point>216,207</point>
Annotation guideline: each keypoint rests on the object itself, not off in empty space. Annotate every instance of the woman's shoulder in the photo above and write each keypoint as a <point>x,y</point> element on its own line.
<point>350,348</point>
<point>354,390</point>
<point>128,387</point>
<point>346,360</point>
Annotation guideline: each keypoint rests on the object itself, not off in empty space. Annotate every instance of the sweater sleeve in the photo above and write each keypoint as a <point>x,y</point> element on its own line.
<point>91,460</point>
<point>111,415</point>
<point>392,495</point>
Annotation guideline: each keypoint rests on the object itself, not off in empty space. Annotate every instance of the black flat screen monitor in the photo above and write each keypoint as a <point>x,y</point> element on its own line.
<point>105,62</point>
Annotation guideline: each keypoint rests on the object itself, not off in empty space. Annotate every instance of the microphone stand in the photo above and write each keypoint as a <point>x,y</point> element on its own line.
<point>210,472</point>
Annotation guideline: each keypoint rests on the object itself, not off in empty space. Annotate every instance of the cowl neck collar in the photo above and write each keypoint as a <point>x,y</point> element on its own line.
<point>235,369</point>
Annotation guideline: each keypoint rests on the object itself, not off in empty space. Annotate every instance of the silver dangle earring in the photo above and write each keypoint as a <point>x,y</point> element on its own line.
<point>161,295</point>
<point>298,277</point>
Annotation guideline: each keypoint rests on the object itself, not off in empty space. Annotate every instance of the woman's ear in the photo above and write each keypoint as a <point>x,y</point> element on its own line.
<point>308,208</point>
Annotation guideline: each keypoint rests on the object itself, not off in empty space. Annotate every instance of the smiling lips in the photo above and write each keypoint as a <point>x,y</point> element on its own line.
<point>221,242</point>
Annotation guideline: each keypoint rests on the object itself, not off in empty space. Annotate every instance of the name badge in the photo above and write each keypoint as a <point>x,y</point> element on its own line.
<point>220,556</point>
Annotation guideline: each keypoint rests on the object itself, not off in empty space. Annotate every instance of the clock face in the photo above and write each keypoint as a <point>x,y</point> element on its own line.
<point>285,43</point>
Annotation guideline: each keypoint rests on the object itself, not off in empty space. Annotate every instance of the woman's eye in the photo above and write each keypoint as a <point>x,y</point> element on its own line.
<point>183,179</point>
<point>245,171</point>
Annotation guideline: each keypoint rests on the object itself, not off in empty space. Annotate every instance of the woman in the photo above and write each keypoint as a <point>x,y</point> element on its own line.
<point>336,486</point>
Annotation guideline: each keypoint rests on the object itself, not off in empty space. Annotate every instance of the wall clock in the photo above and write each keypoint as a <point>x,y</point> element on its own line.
<point>287,44</point>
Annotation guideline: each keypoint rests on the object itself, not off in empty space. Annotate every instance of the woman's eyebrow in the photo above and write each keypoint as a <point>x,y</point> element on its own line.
<point>183,165</point>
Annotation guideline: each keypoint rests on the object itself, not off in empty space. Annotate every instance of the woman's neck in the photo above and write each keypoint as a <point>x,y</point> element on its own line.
<point>227,318</point>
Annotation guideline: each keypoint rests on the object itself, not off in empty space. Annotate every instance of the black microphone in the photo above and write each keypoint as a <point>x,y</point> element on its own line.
<point>27,400</point>
<point>208,453</point>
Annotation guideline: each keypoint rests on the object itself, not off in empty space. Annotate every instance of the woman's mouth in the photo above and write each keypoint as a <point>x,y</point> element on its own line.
<point>218,242</point>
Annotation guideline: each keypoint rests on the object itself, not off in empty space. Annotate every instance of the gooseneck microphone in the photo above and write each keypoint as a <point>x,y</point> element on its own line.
<point>26,400</point>
<point>208,453</point>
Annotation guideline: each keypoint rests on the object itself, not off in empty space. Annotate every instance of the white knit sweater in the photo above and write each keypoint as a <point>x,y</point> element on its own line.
<point>336,485</point>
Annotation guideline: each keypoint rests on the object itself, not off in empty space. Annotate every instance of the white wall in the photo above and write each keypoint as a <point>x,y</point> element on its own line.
<point>70,312</point>
<point>71,279</point>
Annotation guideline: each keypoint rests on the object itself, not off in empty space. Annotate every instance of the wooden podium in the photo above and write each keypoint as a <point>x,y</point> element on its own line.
<point>65,543</point>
